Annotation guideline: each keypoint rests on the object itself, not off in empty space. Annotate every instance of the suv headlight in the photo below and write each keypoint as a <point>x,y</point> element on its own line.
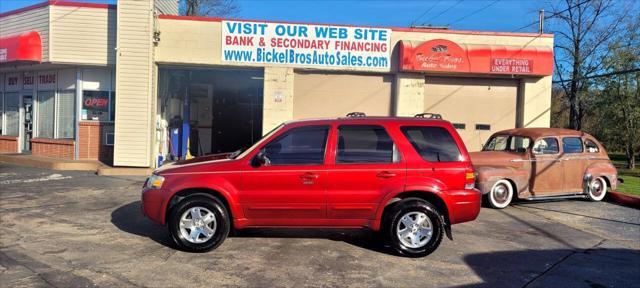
<point>155,182</point>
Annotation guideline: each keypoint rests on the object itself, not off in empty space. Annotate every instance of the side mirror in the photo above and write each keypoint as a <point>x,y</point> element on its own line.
<point>260,160</point>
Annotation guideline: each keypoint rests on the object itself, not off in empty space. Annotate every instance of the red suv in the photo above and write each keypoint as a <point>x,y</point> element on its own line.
<point>410,178</point>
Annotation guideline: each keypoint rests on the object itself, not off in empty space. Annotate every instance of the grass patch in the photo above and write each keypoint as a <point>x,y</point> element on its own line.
<point>631,178</point>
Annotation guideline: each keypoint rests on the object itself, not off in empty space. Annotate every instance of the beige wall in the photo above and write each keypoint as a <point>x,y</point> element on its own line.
<point>83,35</point>
<point>134,85</point>
<point>335,95</point>
<point>536,102</point>
<point>31,20</point>
<point>278,82</point>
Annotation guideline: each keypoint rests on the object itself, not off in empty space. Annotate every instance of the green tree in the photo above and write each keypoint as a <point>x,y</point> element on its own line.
<point>617,108</point>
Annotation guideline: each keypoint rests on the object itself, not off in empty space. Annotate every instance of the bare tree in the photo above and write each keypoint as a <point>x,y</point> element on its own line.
<point>583,29</point>
<point>217,8</point>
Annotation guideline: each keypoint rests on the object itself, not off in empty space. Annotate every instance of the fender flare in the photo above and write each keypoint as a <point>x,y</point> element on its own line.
<point>195,182</point>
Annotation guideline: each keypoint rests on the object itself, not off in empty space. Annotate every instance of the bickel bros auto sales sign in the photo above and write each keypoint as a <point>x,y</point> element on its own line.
<point>305,45</point>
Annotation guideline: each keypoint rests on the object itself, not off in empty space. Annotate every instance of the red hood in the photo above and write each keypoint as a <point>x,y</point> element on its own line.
<point>198,164</point>
<point>494,158</point>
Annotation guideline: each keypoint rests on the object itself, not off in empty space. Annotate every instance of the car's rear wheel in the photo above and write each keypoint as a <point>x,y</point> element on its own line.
<point>597,189</point>
<point>199,224</point>
<point>501,194</point>
<point>414,227</point>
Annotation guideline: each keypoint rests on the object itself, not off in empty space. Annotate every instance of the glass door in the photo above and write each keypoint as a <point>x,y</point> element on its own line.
<point>27,106</point>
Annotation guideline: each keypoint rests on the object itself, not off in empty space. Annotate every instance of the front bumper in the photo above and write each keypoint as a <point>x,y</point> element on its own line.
<point>464,205</point>
<point>152,205</point>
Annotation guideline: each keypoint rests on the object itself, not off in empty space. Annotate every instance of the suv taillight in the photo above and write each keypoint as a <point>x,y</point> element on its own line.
<point>470,178</point>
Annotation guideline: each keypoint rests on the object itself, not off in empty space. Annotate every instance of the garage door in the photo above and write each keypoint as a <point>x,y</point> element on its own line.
<point>478,107</point>
<point>331,95</point>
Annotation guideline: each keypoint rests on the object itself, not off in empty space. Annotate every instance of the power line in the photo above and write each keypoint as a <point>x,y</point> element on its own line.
<point>425,13</point>
<point>552,15</point>
<point>601,75</point>
<point>474,12</point>
<point>446,10</point>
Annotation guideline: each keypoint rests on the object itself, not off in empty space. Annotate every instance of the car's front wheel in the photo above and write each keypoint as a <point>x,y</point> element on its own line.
<point>414,227</point>
<point>597,189</point>
<point>199,224</point>
<point>501,194</point>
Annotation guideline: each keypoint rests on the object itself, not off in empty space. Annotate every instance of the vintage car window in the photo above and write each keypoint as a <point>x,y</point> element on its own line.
<point>547,145</point>
<point>434,144</point>
<point>298,146</point>
<point>591,146</point>
<point>572,145</point>
<point>507,143</point>
<point>365,144</point>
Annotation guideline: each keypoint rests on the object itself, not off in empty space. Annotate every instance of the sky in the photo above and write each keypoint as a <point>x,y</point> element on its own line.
<point>484,15</point>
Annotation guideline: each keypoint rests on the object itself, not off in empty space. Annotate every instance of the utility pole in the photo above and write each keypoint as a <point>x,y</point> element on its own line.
<point>541,22</point>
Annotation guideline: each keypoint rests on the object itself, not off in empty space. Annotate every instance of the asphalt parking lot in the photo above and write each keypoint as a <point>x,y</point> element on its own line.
<point>75,229</point>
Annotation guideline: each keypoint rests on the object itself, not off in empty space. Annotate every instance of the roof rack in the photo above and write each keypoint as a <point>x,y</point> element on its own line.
<point>429,115</point>
<point>356,114</point>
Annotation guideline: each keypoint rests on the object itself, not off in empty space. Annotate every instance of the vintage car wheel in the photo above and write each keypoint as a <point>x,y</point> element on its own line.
<point>501,194</point>
<point>199,224</point>
<point>414,227</point>
<point>597,189</point>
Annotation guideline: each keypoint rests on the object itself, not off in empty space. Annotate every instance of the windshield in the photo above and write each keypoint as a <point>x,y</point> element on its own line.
<point>240,153</point>
<point>508,143</point>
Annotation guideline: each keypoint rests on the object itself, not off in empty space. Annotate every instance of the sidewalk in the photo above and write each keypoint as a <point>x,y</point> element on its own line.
<point>67,164</point>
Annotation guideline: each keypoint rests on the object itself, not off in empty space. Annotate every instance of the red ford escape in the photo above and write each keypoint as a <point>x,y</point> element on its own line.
<point>410,178</point>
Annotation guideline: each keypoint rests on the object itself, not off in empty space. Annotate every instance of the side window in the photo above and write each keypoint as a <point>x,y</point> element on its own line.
<point>572,145</point>
<point>365,144</point>
<point>591,146</point>
<point>547,145</point>
<point>434,144</point>
<point>298,146</point>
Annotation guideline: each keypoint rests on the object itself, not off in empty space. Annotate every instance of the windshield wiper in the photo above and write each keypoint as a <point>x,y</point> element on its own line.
<point>235,154</point>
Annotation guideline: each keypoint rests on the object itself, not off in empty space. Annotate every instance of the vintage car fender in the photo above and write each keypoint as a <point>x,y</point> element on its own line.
<point>487,176</point>
<point>602,169</point>
<point>203,182</point>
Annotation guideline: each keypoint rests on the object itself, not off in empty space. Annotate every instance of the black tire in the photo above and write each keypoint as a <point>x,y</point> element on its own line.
<point>400,209</point>
<point>221,230</point>
<point>501,194</point>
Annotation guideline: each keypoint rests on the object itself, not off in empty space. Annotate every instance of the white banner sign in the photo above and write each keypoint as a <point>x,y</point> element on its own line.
<point>305,45</point>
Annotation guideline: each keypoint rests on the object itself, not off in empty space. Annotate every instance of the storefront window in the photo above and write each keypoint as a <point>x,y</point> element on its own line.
<point>66,114</point>
<point>97,106</point>
<point>45,114</point>
<point>11,114</point>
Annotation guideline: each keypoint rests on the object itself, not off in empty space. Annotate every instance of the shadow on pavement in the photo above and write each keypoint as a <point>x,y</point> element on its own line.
<point>600,267</point>
<point>129,218</point>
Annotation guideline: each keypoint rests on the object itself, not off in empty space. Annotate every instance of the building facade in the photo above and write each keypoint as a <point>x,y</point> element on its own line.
<point>134,84</point>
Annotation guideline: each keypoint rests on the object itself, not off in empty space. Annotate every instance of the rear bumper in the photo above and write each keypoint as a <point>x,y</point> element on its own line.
<point>464,205</point>
<point>152,205</point>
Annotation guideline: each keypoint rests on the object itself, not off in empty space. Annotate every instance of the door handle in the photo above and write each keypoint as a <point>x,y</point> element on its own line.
<point>308,178</point>
<point>386,174</point>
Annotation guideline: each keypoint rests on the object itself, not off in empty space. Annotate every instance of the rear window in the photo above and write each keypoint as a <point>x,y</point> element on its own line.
<point>571,145</point>
<point>434,144</point>
<point>365,144</point>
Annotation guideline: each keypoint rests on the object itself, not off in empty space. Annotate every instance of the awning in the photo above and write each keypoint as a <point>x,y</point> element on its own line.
<point>440,55</point>
<point>25,47</point>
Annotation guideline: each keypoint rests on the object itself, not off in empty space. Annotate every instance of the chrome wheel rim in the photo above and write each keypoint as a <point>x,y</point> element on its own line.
<point>197,225</point>
<point>501,193</point>
<point>414,229</point>
<point>597,187</point>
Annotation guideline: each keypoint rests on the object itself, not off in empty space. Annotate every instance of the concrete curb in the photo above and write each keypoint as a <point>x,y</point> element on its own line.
<point>50,163</point>
<point>624,199</point>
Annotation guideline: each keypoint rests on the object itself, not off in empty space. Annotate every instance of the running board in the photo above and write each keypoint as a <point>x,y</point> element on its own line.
<point>563,196</point>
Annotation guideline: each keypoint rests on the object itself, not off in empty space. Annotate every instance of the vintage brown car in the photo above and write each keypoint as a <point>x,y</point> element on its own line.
<point>542,163</point>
